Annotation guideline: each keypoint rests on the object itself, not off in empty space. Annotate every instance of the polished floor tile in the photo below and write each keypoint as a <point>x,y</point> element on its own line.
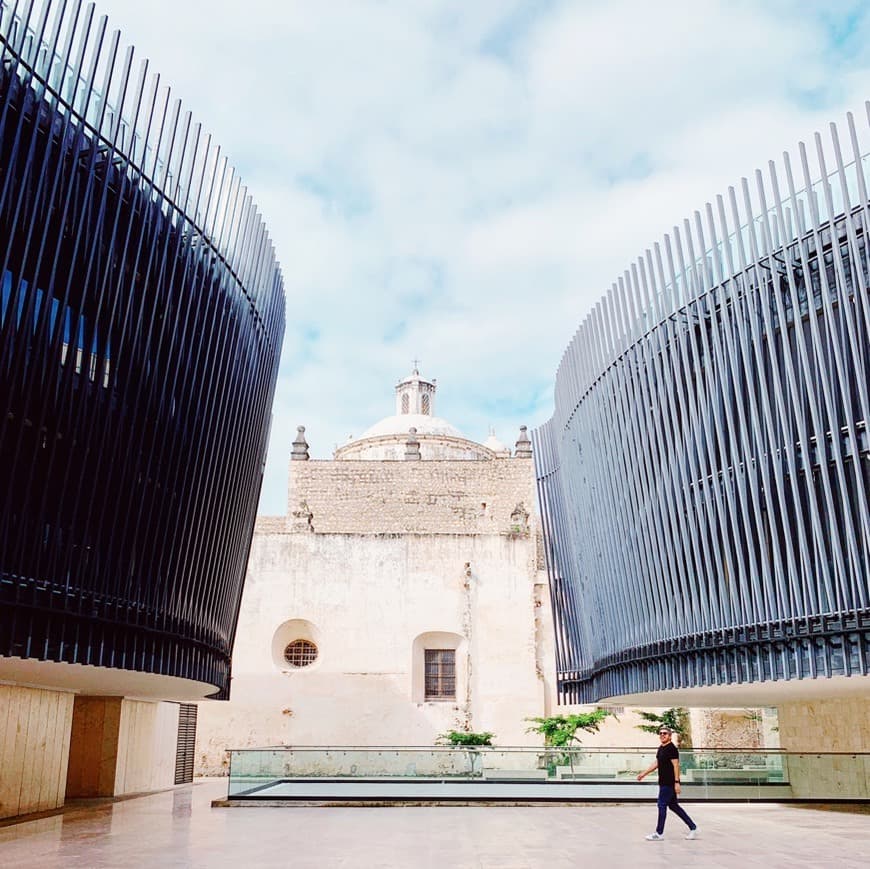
<point>180,829</point>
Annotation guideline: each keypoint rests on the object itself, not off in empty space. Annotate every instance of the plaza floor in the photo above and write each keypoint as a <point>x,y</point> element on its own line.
<point>180,828</point>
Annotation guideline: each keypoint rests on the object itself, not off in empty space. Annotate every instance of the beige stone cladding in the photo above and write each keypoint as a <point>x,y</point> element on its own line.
<point>830,724</point>
<point>34,749</point>
<point>147,746</point>
<point>120,746</point>
<point>435,497</point>
<point>833,724</point>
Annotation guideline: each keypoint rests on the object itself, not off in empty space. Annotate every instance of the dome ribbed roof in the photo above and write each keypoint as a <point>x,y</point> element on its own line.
<point>399,424</point>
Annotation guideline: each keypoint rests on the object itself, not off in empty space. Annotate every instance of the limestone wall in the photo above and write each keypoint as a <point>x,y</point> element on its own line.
<point>432,447</point>
<point>34,746</point>
<point>364,600</point>
<point>271,525</point>
<point>437,497</point>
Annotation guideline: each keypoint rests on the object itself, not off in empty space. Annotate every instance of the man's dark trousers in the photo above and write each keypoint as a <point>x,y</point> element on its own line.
<point>668,800</point>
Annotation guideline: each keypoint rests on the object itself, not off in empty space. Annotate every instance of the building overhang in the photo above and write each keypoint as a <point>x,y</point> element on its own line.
<point>753,694</point>
<point>100,681</point>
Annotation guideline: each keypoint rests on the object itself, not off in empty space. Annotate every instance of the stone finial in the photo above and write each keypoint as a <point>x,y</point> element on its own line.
<point>412,446</point>
<point>299,453</point>
<point>302,519</point>
<point>520,520</point>
<point>524,445</point>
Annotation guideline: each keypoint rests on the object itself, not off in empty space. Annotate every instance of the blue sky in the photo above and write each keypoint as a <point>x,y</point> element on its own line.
<point>460,182</point>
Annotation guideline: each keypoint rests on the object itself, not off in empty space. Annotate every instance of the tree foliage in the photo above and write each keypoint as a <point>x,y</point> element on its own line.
<point>463,737</point>
<point>559,731</point>
<point>677,718</point>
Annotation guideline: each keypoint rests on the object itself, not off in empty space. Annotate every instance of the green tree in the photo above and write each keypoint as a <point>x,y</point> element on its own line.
<point>559,731</point>
<point>463,737</point>
<point>677,718</point>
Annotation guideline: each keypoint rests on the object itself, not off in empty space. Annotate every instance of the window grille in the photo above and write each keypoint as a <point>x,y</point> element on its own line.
<point>406,404</point>
<point>425,404</point>
<point>300,653</point>
<point>440,667</point>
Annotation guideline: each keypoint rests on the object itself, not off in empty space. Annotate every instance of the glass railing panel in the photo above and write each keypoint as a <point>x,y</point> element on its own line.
<point>254,769</point>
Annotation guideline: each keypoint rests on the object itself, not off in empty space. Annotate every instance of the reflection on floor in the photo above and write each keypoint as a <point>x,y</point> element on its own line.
<point>180,828</point>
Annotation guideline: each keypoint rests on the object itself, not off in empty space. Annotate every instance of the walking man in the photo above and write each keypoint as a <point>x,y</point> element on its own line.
<point>668,765</point>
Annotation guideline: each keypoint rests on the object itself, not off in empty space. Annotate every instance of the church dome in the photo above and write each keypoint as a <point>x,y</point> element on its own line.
<point>399,423</point>
<point>413,431</point>
<point>494,444</point>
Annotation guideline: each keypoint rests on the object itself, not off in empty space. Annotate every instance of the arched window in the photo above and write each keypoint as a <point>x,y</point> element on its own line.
<point>405,403</point>
<point>424,403</point>
<point>439,668</point>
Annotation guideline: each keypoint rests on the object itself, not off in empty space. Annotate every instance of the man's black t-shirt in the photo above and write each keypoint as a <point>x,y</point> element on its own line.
<point>665,755</point>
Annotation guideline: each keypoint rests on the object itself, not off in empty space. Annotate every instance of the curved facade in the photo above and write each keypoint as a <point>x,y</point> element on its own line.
<point>704,478</point>
<point>142,320</point>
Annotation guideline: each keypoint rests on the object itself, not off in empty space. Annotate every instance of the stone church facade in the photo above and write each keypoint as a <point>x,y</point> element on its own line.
<point>402,595</point>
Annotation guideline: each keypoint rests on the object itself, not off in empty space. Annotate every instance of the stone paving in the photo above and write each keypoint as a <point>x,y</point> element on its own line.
<point>180,828</point>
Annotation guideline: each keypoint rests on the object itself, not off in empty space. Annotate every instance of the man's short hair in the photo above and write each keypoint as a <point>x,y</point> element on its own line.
<point>665,727</point>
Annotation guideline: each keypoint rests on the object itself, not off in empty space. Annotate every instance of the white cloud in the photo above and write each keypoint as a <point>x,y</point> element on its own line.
<point>462,181</point>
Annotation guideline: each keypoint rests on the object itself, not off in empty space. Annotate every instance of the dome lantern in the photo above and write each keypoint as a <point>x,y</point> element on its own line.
<point>415,395</point>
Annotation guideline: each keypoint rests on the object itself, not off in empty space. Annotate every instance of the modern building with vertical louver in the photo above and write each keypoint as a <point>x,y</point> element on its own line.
<point>141,321</point>
<point>704,477</point>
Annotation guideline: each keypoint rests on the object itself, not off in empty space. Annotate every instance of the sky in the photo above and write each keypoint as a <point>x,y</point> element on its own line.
<point>459,181</point>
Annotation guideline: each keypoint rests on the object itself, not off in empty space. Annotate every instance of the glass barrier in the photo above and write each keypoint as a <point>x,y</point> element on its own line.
<point>251,770</point>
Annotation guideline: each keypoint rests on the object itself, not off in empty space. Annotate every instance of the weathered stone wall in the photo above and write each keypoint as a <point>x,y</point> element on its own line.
<point>271,525</point>
<point>434,497</point>
<point>364,599</point>
<point>728,728</point>
<point>432,447</point>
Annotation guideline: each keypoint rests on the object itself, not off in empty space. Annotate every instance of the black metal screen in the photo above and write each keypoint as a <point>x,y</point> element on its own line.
<point>705,478</point>
<point>186,746</point>
<point>141,320</point>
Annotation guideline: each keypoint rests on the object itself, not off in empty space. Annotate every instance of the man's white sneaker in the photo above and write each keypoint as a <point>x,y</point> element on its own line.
<point>655,837</point>
<point>692,834</point>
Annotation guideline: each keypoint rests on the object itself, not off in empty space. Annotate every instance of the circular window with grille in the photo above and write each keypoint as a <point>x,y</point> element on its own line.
<point>300,653</point>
